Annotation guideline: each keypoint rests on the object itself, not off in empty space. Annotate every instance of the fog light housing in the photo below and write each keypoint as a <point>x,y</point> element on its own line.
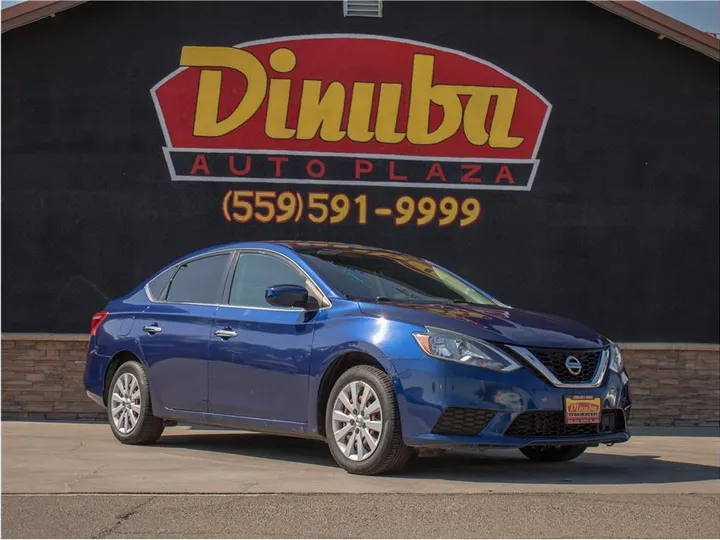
<point>611,396</point>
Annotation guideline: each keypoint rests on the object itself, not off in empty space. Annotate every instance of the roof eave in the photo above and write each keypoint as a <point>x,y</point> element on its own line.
<point>29,12</point>
<point>663,25</point>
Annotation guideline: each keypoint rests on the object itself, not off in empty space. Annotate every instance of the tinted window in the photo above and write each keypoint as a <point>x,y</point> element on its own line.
<point>255,272</point>
<point>378,275</point>
<point>157,285</point>
<point>199,281</point>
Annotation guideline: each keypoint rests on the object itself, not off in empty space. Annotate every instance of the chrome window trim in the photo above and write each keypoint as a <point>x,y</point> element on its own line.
<point>297,310</point>
<point>595,382</point>
<point>326,303</point>
<point>147,285</point>
<point>180,263</point>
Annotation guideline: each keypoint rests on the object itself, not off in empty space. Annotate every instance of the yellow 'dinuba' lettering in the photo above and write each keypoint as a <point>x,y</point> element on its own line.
<point>423,92</point>
<point>278,101</point>
<point>475,117</point>
<point>207,123</point>
<point>360,111</point>
<point>476,112</point>
<point>283,61</point>
<point>504,112</point>
<point>322,114</point>
<point>387,116</point>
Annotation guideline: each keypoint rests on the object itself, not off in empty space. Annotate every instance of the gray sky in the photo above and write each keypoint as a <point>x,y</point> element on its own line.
<point>702,14</point>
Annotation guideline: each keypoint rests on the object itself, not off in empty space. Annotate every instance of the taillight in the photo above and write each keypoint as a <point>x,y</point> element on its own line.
<point>97,320</point>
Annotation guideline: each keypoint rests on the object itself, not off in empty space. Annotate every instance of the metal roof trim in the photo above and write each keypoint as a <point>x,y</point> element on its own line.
<point>30,11</point>
<point>664,25</point>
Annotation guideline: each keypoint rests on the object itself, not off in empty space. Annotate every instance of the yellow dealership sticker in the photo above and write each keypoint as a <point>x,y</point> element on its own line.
<point>582,410</point>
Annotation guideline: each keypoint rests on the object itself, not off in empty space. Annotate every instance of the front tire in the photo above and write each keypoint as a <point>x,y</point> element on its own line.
<point>553,453</point>
<point>362,423</point>
<point>129,408</point>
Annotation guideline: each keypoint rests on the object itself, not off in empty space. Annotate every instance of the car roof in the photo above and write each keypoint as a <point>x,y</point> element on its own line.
<point>341,246</point>
<point>296,245</point>
<point>288,245</point>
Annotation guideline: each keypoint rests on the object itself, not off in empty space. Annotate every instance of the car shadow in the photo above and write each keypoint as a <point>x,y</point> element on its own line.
<point>501,466</point>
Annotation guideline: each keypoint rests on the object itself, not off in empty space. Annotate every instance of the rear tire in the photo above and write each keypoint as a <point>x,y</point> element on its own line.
<point>129,408</point>
<point>365,437</point>
<point>553,453</point>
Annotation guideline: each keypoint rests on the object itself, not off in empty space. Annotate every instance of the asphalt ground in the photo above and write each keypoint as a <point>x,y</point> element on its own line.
<point>76,480</point>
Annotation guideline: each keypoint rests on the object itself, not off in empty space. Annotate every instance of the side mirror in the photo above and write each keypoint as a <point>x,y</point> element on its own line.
<point>287,296</point>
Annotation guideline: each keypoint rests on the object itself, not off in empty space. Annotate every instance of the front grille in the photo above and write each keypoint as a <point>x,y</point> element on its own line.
<point>554,360</point>
<point>534,424</point>
<point>462,421</point>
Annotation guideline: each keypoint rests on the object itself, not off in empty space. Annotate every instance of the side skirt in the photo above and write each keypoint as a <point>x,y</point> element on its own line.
<point>245,423</point>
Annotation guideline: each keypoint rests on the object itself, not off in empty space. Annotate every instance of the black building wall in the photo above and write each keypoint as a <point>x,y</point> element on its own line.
<point>620,229</point>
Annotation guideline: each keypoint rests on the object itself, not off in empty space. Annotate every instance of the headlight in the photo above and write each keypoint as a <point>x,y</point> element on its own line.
<point>616,360</point>
<point>464,350</point>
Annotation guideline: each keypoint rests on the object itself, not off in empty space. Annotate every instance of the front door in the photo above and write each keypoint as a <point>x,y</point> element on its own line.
<point>261,358</point>
<point>175,331</point>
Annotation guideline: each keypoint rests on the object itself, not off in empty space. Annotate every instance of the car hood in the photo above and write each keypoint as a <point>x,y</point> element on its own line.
<point>492,323</point>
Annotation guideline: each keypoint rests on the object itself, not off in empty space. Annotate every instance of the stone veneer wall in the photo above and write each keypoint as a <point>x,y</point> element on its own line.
<point>672,384</point>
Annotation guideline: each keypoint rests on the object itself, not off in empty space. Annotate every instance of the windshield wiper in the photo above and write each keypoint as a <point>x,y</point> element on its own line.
<point>368,298</point>
<point>409,300</point>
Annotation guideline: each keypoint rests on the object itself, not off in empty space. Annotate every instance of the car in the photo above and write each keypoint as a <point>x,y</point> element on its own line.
<point>380,353</point>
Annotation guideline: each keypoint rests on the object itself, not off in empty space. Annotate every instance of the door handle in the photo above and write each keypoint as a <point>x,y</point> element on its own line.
<point>152,329</point>
<point>225,334</point>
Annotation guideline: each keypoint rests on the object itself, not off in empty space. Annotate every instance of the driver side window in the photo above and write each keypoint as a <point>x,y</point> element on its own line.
<point>255,272</point>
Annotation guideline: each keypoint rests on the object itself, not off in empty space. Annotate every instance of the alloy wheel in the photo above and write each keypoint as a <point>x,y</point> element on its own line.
<point>357,421</point>
<point>125,403</point>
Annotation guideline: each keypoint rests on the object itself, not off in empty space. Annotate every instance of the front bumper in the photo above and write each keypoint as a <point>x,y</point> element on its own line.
<point>96,398</point>
<point>446,404</point>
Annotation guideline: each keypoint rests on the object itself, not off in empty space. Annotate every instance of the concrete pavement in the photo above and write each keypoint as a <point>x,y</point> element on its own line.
<point>365,515</point>
<point>86,458</point>
<point>61,480</point>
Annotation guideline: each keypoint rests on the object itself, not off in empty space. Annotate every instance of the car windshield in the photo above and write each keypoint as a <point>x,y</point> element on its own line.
<point>386,276</point>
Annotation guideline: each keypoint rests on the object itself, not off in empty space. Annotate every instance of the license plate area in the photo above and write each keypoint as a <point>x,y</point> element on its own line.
<point>582,410</point>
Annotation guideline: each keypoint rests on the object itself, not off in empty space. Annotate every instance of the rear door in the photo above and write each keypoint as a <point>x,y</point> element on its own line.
<point>260,363</point>
<point>175,332</point>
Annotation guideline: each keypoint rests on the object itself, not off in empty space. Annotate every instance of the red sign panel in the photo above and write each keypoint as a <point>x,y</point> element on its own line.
<point>349,109</point>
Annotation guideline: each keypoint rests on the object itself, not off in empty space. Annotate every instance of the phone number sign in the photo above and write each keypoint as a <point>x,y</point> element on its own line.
<point>242,206</point>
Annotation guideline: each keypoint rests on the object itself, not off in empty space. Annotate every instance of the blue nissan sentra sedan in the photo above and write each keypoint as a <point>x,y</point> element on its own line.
<point>378,352</point>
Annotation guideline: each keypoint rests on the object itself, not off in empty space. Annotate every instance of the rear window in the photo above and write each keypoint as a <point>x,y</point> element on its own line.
<point>157,286</point>
<point>199,280</point>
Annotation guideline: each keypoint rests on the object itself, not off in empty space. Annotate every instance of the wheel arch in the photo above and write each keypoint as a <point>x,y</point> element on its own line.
<point>120,358</point>
<point>339,365</point>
